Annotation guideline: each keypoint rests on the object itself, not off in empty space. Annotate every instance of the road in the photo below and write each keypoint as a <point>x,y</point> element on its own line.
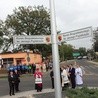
<point>27,82</point>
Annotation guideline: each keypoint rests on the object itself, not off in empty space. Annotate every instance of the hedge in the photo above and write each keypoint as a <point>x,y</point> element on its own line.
<point>81,93</point>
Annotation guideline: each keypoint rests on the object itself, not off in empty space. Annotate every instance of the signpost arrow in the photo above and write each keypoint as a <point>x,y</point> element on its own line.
<point>32,39</point>
<point>76,34</point>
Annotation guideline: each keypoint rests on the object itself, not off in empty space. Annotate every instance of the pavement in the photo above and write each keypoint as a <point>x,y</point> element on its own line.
<point>31,94</point>
<point>46,93</point>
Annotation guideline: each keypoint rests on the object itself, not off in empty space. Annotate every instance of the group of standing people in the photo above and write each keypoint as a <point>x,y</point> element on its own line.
<point>14,80</point>
<point>71,75</point>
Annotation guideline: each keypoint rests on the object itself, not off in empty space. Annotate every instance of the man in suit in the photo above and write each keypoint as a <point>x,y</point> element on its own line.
<point>11,80</point>
<point>52,77</point>
<point>72,76</point>
<point>17,80</point>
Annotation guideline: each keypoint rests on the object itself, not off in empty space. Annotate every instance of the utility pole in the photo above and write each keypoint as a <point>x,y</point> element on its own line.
<point>55,54</point>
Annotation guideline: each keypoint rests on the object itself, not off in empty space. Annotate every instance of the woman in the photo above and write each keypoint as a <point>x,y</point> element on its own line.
<point>78,72</point>
<point>38,80</point>
<point>11,80</point>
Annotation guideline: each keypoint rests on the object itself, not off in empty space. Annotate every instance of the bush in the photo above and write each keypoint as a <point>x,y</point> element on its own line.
<point>82,93</point>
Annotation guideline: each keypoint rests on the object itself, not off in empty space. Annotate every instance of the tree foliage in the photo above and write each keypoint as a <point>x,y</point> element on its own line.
<point>65,51</point>
<point>1,33</point>
<point>30,21</point>
<point>82,51</point>
<point>27,21</point>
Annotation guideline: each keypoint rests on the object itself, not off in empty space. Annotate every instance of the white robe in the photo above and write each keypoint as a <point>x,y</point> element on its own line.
<point>65,79</point>
<point>78,72</point>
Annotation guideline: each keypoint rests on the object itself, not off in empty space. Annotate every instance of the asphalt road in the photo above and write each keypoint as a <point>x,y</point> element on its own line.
<point>27,82</point>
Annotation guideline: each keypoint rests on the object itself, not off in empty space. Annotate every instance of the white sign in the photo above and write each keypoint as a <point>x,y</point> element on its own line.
<point>33,39</point>
<point>76,34</point>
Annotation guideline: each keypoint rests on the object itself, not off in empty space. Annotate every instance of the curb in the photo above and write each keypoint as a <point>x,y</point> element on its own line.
<point>93,62</point>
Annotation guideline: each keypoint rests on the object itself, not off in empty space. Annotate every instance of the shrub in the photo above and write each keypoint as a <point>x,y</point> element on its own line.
<point>82,93</point>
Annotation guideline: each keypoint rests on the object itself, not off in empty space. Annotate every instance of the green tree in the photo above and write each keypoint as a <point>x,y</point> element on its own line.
<point>28,21</point>
<point>1,33</point>
<point>82,51</point>
<point>95,46</point>
<point>65,51</point>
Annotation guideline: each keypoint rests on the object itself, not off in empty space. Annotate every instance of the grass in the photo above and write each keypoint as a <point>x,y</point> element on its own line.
<point>96,60</point>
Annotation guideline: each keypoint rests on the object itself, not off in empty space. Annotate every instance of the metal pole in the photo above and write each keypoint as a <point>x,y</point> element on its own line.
<point>55,54</point>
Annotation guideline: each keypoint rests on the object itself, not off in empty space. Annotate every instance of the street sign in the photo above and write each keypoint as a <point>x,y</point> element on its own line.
<point>76,54</point>
<point>76,34</point>
<point>32,39</point>
<point>46,39</point>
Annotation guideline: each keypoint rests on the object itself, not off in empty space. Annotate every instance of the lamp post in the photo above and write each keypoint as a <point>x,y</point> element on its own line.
<point>55,54</point>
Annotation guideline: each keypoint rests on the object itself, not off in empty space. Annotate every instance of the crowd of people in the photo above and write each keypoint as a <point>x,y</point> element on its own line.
<point>14,72</point>
<point>71,75</point>
<point>22,68</point>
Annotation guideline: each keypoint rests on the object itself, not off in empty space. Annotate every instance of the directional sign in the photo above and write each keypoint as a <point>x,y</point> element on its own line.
<point>33,39</point>
<point>76,54</point>
<point>46,39</point>
<point>76,34</point>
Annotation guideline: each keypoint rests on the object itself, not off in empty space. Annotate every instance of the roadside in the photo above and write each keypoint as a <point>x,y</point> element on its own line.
<point>4,74</point>
<point>30,94</point>
<point>93,62</point>
<point>49,93</point>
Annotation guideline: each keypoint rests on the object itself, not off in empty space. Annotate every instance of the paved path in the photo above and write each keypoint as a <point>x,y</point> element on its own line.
<point>29,94</point>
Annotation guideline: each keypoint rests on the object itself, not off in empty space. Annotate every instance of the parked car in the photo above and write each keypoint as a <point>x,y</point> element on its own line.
<point>84,57</point>
<point>79,57</point>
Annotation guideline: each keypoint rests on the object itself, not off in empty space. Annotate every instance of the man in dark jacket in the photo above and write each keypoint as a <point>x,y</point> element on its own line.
<point>17,80</point>
<point>72,76</point>
<point>52,77</point>
<point>11,80</point>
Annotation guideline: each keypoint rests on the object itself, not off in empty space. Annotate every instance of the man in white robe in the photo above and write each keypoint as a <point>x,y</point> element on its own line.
<point>79,75</point>
<point>65,80</point>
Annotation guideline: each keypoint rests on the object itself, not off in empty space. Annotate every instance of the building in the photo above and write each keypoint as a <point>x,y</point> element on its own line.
<point>20,57</point>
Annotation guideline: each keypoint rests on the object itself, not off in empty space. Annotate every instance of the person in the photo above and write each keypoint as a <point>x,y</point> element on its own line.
<point>33,67</point>
<point>52,77</point>
<point>17,80</point>
<point>38,80</point>
<point>79,79</point>
<point>11,80</point>
<point>72,76</point>
<point>65,80</point>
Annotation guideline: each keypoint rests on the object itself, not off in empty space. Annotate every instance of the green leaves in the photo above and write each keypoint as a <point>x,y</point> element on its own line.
<point>32,21</point>
<point>65,51</point>
<point>82,93</point>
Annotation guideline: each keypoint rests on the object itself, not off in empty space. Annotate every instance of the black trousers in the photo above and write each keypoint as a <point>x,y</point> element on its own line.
<point>12,86</point>
<point>38,87</point>
<point>52,80</point>
<point>17,86</point>
<point>73,82</point>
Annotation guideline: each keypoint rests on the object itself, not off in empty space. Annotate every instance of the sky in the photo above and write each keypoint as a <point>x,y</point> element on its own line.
<point>70,15</point>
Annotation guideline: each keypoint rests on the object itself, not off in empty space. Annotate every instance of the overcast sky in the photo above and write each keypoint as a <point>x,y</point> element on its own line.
<point>70,14</point>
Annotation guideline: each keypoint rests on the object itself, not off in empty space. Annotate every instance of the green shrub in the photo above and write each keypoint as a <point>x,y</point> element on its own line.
<point>82,93</point>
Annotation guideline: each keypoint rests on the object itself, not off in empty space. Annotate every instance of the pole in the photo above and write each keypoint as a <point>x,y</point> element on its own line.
<point>55,54</point>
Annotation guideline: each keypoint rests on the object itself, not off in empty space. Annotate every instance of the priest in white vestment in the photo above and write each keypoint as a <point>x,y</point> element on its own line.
<point>79,75</point>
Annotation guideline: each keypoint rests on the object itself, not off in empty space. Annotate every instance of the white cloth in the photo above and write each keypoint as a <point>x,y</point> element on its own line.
<point>65,79</point>
<point>38,79</point>
<point>78,72</point>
